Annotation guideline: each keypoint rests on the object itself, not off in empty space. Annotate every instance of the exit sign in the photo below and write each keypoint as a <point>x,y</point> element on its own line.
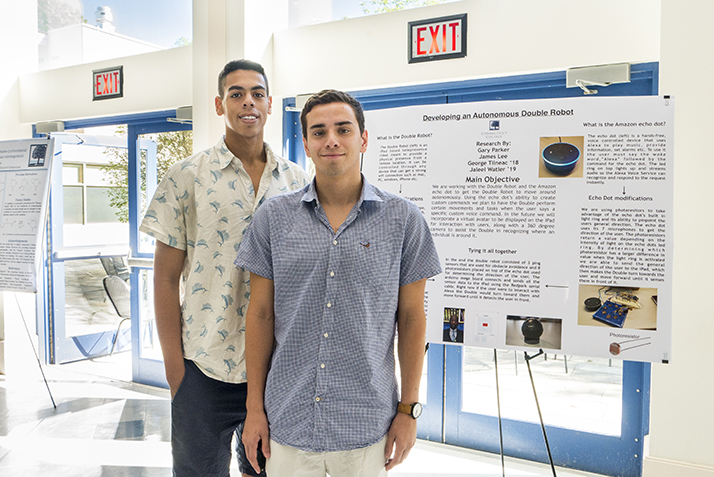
<point>108,83</point>
<point>437,39</point>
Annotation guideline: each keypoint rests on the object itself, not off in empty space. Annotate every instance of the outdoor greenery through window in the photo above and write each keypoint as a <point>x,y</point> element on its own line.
<point>384,6</point>
<point>170,147</point>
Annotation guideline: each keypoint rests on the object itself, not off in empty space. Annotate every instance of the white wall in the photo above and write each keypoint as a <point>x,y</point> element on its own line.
<point>18,55</point>
<point>152,82</point>
<point>682,417</point>
<point>504,37</point>
<point>210,19</point>
<point>82,43</point>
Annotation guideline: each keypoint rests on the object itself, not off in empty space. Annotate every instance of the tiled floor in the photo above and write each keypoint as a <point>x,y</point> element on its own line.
<point>104,426</point>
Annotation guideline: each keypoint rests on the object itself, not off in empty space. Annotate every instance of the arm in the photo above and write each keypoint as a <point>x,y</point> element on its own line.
<point>168,265</point>
<point>411,329</point>
<point>259,337</point>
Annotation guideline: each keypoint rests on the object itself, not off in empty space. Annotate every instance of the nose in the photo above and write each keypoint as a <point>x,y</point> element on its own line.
<point>248,100</point>
<point>331,140</point>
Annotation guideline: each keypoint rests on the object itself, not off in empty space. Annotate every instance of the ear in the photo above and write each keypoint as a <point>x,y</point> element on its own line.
<point>270,104</point>
<point>364,142</point>
<point>219,105</point>
<point>304,144</point>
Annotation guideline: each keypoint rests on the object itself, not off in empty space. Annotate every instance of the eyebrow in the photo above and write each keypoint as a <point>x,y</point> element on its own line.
<point>240,88</point>
<point>340,123</point>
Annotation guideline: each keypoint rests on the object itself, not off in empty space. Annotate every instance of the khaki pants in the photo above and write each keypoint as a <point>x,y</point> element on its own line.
<point>290,462</point>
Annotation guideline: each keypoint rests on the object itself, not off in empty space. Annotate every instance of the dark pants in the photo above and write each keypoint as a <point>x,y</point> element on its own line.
<point>205,413</point>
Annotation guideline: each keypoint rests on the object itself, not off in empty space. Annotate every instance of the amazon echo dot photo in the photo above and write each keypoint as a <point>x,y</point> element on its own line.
<point>561,156</point>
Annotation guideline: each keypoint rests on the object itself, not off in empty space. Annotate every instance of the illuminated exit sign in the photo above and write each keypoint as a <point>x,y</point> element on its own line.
<point>108,83</point>
<point>437,39</point>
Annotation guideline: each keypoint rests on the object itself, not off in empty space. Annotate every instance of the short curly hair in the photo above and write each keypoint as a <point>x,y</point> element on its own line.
<point>235,65</point>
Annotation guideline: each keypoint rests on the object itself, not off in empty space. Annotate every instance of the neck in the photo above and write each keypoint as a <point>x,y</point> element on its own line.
<point>341,191</point>
<point>247,149</point>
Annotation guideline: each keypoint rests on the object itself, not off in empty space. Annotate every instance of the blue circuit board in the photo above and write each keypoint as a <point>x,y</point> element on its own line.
<point>612,314</point>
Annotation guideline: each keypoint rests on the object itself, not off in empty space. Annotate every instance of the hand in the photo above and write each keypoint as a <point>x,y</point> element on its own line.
<point>255,432</point>
<point>174,376</point>
<point>400,440</point>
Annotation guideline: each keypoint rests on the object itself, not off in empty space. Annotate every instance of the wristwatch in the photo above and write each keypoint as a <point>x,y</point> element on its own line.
<point>414,410</point>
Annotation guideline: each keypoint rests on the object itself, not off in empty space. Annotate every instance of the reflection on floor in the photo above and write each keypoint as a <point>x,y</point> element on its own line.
<point>581,393</point>
<point>104,426</point>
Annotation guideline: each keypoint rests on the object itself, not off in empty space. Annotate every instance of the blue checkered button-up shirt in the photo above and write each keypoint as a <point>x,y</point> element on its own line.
<point>332,384</point>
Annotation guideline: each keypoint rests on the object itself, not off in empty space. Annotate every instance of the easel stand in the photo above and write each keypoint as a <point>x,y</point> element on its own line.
<point>22,316</point>
<point>498,401</point>
<point>540,416</point>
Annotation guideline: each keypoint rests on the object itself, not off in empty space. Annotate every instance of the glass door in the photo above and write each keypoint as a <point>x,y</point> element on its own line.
<point>86,250</point>
<point>158,145</point>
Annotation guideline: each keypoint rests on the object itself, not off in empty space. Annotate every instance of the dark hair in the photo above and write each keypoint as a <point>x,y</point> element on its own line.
<point>327,96</point>
<point>240,65</point>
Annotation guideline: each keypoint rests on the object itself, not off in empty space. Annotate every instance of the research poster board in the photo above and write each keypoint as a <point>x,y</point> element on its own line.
<point>553,219</point>
<point>25,167</point>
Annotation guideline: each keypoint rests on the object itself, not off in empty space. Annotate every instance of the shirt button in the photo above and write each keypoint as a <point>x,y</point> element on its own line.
<point>332,274</point>
<point>329,305</point>
<point>322,366</point>
<point>326,335</point>
<point>317,399</point>
<point>334,242</point>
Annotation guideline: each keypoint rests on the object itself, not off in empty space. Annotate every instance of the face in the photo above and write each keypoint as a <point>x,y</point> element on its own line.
<point>245,104</point>
<point>333,139</point>
<point>453,322</point>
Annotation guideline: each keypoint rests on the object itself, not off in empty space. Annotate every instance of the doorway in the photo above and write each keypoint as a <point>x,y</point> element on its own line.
<point>95,300</point>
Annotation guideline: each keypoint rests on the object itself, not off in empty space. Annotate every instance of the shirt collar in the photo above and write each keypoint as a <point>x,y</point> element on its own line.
<point>368,193</point>
<point>226,157</point>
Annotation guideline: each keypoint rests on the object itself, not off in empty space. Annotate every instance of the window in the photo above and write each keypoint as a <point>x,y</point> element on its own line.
<point>86,195</point>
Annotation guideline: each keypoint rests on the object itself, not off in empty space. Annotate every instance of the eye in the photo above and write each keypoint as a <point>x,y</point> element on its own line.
<point>345,130</point>
<point>318,133</point>
<point>235,95</point>
<point>259,95</point>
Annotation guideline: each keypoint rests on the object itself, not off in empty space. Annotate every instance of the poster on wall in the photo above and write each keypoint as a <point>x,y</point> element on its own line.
<point>25,167</point>
<point>553,219</point>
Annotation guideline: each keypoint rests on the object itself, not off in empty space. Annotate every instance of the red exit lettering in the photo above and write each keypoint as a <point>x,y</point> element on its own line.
<point>448,38</point>
<point>107,83</point>
<point>438,37</point>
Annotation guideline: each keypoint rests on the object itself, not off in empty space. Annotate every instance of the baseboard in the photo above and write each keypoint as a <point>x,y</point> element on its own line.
<point>655,467</point>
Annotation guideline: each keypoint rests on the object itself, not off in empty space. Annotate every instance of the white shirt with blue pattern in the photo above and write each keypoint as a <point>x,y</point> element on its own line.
<point>203,206</point>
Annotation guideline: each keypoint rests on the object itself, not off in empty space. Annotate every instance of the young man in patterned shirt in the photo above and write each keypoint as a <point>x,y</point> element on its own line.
<point>336,268</point>
<point>198,216</point>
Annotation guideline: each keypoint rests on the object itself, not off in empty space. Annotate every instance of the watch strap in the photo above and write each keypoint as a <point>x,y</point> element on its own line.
<point>405,408</point>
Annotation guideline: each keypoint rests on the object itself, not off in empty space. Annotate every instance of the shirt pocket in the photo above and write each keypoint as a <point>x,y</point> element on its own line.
<point>372,264</point>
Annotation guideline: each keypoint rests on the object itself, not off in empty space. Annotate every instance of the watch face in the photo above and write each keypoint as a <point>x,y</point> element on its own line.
<point>416,410</point>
